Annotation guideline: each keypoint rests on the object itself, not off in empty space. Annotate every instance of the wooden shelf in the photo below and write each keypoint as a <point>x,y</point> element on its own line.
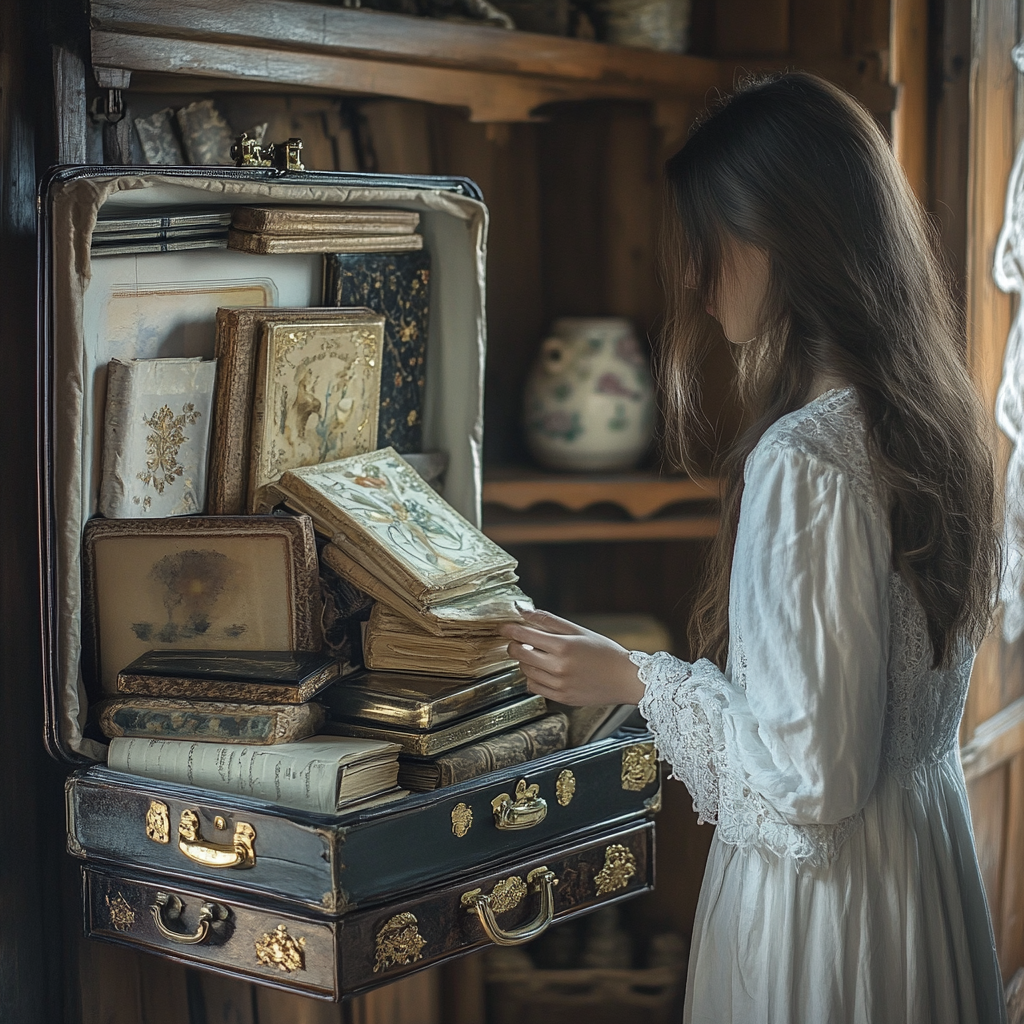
<point>497,74</point>
<point>641,495</point>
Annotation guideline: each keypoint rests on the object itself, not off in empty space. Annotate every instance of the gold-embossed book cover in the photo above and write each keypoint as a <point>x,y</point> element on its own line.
<point>317,395</point>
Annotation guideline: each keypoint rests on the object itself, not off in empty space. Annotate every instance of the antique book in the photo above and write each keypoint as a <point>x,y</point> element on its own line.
<point>517,746</point>
<point>156,437</point>
<point>397,527</point>
<point>268,245</point>
<point>156,227</point>
<point>119,248</point>
<point>253,677</point>
<point>322,774</point>
<point>317,394</point>
<point>215,721</point>
<point>196,583</point>
<point>397,285</point>
<point>448,737</point>
<point>324,220</point>
<point>593,723</point>
<point>418,703</point>
<point>392,642</point>
<point>479,612</point>
<point>236,349</point>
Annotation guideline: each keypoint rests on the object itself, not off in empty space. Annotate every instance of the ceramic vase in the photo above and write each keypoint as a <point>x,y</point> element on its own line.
<point>589,402</point>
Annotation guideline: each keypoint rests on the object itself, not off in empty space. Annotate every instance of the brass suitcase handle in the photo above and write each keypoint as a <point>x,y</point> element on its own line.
<point>485,907</point>
<point>239,853</point>
<point>209,914</point>
<point>525,811</point>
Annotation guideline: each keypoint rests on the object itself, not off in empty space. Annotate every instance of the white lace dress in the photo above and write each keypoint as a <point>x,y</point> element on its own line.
<point>842,884</point>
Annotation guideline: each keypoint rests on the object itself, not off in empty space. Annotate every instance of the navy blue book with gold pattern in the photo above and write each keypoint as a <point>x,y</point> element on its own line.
<point>398,286</point>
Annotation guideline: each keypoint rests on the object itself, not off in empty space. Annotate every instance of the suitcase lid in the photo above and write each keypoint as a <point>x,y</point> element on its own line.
<point>70,397</point>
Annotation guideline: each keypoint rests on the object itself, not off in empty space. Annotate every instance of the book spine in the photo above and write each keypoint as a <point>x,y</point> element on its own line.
<point>511,748</point>
<point>114,499</point>
<point>287,777</point>
<point>229,465</point>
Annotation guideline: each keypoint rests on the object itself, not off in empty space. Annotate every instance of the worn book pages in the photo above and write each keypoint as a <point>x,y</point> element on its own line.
<point>478,612</point>
<point>440,741</point>
<point>156,437</point>
<point>517,746</point>
<point>266,245</point>
<point>317,394</point>
<point>324,220</point>
<point>397,527</point>
<point>236,349</point>
<point>320,774</point>
<point>215,721</point>
<point>392,642</point>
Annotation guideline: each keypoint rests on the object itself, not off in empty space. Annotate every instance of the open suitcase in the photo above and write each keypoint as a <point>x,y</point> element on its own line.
<point>322,905</point>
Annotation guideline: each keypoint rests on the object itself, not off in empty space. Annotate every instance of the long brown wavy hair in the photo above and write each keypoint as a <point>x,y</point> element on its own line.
<point>795,167</point>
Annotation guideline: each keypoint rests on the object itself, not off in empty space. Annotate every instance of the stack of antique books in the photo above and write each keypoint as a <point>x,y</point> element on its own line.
<point>267,230</point>
<point>173,231</point>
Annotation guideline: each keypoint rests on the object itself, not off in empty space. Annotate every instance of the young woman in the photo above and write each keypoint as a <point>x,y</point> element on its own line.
<point>848,589</point>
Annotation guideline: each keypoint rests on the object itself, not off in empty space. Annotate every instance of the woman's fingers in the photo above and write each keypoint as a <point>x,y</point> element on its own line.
<point>526,654</point>
<point>538,638</point>
<point>551,623</point>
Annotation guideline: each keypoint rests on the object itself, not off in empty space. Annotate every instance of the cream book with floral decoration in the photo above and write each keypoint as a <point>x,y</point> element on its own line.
<point>317,396</point>
<point>156,437</point>
<point>378,509</point>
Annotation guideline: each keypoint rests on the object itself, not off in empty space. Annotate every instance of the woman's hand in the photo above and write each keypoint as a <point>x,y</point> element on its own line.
<point>570,664</point>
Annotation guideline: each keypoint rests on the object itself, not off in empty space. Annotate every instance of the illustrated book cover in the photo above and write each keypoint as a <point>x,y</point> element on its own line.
<point>517,746</point>
<point>317,394</point>
<point>324,220</point>
<point>381,512</point>
<point>241,583</point>
<point>236,348</point>
<point>418,703</point>
<point>322,773</point>
<point>448,737</point>
<point>260,677</point>
<point>212,721</point>
<point>156,437</point>
<point>392,642</point>
<point>397,285</point>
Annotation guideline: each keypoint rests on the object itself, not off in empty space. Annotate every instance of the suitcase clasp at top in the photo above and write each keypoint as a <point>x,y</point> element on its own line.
<point>239,853</point>
<point>528,809</point>
<point>250,152</point>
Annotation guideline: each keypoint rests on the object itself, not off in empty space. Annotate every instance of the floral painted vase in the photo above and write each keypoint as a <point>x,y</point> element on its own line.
<point>589,402</point>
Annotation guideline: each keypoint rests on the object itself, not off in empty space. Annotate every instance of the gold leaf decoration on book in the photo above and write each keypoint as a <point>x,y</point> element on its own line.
<point>279,949</point>
<point>158,822</point>
<point>462,819</point>
<point>122,917</point>
<point>639,766</point>
<point>163,444</point>
<point>619,868</point>
<point>398,943</point>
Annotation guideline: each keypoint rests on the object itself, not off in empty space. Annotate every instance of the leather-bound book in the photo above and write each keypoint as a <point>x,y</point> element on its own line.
<point>216,721</point>
<point>397,285</point>
<point>544,736</point>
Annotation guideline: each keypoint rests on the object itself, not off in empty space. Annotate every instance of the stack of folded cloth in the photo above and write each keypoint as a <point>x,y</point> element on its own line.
<point>161,232</point>
<point>244,722</point>
<point>267,230</point>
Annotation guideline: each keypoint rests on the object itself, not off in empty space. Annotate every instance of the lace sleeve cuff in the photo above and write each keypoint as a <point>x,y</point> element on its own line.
<point>683,731</point>
<point>684,705</point>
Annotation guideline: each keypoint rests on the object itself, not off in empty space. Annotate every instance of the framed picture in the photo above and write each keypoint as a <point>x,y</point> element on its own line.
<point>242,583</point>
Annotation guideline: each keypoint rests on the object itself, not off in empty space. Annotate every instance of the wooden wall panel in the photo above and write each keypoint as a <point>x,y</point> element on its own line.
<point>909,73</point>
<point>745,29</point>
